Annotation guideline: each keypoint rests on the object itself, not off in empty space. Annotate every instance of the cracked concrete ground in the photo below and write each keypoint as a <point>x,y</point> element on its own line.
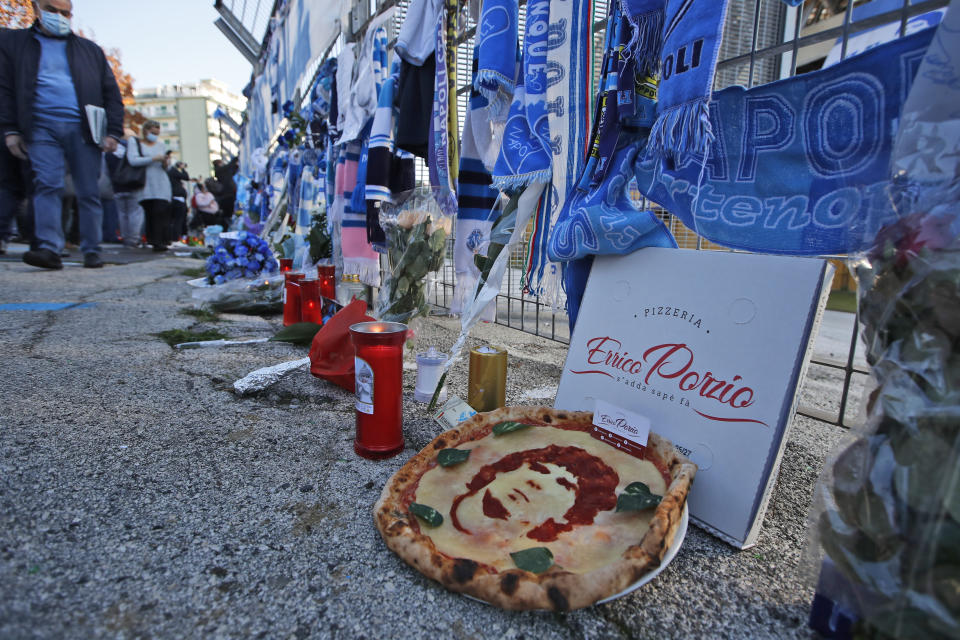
<point>139,498</point>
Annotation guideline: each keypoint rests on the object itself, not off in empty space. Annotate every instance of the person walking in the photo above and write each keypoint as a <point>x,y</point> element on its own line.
<point>129,210</point>
<point>156,194</point>
<point>178,213</point>
<point>49,77</point>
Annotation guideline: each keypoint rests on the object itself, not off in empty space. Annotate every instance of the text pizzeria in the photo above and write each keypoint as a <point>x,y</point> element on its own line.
<point>674,312</point>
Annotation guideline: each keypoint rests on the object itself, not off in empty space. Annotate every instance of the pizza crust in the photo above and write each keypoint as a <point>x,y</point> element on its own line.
<point>556,588</point>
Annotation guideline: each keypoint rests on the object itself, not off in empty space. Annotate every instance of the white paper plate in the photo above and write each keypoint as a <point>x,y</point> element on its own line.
<point>667,559</point>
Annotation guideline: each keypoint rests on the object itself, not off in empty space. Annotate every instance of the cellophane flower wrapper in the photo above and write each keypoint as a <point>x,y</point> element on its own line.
<point>263,294</point>
<point>416,226</point>
<point>886,513</point>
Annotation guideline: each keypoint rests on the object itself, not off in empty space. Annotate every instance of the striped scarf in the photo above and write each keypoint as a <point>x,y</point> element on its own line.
<point>569,88</point>
<point>358,256</point>
<point>476,200</point>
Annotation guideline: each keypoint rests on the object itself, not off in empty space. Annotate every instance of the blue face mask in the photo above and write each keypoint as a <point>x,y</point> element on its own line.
<point>55,23</point>
<point>152,137</point>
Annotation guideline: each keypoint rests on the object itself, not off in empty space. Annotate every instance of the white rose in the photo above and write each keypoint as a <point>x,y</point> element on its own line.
<point>440,222</point>
<point>410,218</point>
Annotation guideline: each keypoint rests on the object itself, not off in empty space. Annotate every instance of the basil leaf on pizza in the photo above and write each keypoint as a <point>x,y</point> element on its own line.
<point>426,513</point>
<point>534,560</point>
<point>451,457</point>
<point>508,427</point>
<point>637,497</point>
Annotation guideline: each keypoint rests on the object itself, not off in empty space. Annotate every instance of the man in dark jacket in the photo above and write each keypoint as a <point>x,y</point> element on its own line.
<point>228,188</point>
<point>177,172</point>
<point>48,78</point>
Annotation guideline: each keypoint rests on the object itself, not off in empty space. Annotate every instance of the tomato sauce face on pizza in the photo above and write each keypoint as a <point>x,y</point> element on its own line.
<point>524,508</point>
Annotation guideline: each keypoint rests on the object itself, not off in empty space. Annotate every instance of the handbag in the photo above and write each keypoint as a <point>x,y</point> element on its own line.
<point>126,177</point>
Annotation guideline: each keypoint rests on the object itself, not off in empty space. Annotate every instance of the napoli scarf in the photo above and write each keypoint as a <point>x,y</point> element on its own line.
<point>569,87</point>
<point>389,170</point>
<point>476,201</point>
<point>598,217</point>
<point>443,152</point>
<point>523,159</point>
<point>496,46</point>
<point>799,166</point>
<point>690,47</point>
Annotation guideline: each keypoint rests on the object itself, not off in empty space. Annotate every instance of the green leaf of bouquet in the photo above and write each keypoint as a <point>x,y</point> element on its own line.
<point>451,457</point>
<point>299,333</point>
<point>508,427</point>
<point>637,497</point>
<point>426,513</point>
<point>534,560</point>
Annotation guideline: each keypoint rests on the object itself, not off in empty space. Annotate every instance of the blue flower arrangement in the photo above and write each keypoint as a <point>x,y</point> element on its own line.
<point>246,257</point>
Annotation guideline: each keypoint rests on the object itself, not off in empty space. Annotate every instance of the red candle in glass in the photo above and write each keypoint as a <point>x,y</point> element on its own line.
<point>379,388</point>
<point>286,264</point>
<point>327,274</point>
<point>310,308</point>
<point>291,297</point>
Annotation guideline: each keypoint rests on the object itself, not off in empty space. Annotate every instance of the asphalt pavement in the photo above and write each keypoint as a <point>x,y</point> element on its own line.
<point>140,498</point>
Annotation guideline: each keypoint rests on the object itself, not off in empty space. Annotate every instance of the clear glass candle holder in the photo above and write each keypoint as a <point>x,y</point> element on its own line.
<point>379,388</point>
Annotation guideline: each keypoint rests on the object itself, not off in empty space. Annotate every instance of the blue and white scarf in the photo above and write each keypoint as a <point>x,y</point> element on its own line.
<point>476,200</point>
<point>439,152</point>
<point>569,88</point>
<point>800,166</point>
<point>523,159</point>
<point>496,46</point>
<point>691,45</point>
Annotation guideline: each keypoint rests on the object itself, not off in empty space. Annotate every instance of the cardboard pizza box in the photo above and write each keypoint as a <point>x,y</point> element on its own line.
<point>712,348</point>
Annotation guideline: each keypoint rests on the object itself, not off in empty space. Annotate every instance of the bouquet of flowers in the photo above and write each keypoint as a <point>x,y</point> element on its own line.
<point>243,255</point>
<point>890,515</point>
<point>416,231</point>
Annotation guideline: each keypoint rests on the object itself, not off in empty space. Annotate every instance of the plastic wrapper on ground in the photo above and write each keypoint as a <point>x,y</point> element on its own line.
<point>256,295</point>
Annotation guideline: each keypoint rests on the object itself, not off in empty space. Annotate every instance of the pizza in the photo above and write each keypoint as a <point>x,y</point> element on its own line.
<point>527,508</point>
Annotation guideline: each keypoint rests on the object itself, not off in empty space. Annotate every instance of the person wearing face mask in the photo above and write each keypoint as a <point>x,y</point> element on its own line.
<point>156,193</point>
<point>48,78</point>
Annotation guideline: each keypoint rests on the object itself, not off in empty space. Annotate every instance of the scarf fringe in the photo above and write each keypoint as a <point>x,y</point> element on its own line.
<point>647,40</point>
<point>681,130</point>
<point>514,183</point>
<point>498,90</point>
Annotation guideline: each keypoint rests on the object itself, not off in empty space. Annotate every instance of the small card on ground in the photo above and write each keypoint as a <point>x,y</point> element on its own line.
<point>711,347</point>
<point>453,412</point>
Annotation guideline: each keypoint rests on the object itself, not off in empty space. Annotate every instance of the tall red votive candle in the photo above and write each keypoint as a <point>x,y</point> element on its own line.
<point>291,297</point>
<point>310,308</point>
<point>286,264</point>
<point>379,388</point>
<point>327,274</point>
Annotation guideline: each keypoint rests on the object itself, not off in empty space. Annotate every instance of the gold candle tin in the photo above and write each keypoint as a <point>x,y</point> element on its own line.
<point>488,378</point>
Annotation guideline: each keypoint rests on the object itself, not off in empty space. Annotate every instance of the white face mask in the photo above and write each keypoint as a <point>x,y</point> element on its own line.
<point>55,23</point>
<point>152,137</point>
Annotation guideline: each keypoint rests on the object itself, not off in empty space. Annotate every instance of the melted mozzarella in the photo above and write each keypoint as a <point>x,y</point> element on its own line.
<point>491,540</point>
